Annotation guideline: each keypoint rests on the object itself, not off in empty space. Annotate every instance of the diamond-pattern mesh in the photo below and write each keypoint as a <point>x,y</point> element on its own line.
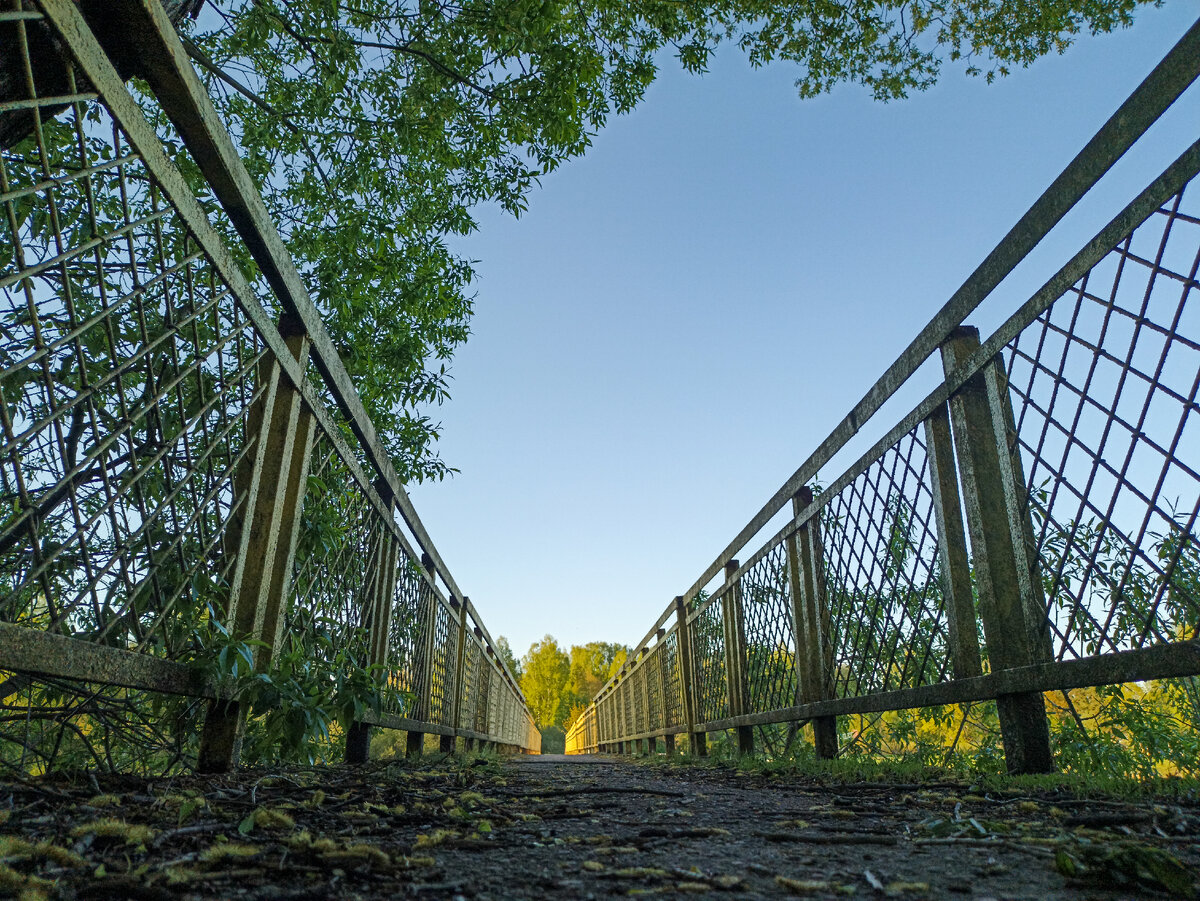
<point>1104,387</point>
<point>339,534</point>
<point>127,376</point>
<point>637,686</point>
<point>404,639</point>
<point>441,674</point>
<point>888,623</point>
<point>672,694</point>
<point>708,650</point>
<point>470,684</point>
<point>766,600</point>
<point>654,714</point>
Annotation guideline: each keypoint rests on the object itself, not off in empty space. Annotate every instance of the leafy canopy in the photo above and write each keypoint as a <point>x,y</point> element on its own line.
<point>374,127</point>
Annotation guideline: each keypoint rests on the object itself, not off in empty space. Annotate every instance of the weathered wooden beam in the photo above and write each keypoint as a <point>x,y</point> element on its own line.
<point>49,654</point>
<point>1005,606</point>
<point>953,557</point>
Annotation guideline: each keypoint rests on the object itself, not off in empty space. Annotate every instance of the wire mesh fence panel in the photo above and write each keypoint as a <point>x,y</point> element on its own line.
<point>127,377</point>
<point>469,690</point>
<point>441,671</point>
<point>886,606</point>
<point>484,695</point>
<point>654,692</point>
<point>404,639</point>
<point>340,538</point>
<point>770,636</point>
<point>672,693</point>
<point>637,691</point>
<point>708,650</point>
<point>1104,386</point>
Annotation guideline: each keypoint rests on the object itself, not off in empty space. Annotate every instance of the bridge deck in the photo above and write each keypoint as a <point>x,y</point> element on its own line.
<point>573,828</point>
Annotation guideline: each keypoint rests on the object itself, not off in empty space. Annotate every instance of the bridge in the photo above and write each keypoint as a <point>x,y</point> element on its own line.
<point>203,529</point>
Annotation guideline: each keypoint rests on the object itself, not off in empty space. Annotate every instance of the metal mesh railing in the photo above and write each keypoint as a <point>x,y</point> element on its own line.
<point>128,376</point>
<point>770,663</point>
<point>1047,491</point>
<point>1104,386</point>
<point>888,622</point>
<point>154,405</point>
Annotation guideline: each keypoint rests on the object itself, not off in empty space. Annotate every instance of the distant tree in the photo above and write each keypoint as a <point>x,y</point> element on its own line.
<point>504,649</point>
<point>545,671</point>
<point>592,665</point>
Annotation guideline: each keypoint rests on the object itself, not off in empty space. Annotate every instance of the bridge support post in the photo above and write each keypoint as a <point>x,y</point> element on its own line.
<point>1010,598</point>
<point>953,556</point>
<point>669,743</point>
<point>261,535</point>
<point>735,656</point>
<point>814,645</point>
<point>697,741</point>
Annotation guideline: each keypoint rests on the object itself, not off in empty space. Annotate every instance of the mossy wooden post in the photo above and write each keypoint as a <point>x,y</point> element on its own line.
<point>460,663</point>
<point>993,502</point>
<point>953,557</point>
<point>735,656</point>
<point>813,622</point>
<point>697,741</point>
<point>377,597</point>
<point>414,744</point>
<point>267,506</point>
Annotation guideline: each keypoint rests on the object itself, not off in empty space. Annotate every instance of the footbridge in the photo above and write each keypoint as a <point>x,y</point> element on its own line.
<point>202,529</point>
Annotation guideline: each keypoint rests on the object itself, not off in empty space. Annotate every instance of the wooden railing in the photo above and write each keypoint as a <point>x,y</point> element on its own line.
<point>189,476</point>
<point>1047,491</point>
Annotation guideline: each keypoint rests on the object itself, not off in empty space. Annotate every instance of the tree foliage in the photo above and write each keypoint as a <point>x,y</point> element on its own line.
<point>374,127</point>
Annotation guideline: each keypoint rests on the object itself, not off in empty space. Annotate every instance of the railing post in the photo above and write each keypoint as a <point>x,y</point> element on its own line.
<point>953,557</point>
<point>697,741</point>
<point>448,741</point>
<point>377,615</point>
<point>813,622</point>
<point>267,506</point>
<point>735,655</point>
<point>1012,622</point>
<point>414,743</point>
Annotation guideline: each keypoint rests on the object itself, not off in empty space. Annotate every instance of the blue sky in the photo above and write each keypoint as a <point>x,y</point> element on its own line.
<point>686,312</point>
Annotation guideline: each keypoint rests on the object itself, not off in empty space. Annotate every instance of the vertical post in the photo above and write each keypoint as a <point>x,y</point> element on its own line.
<point>953,558</point>
<point>698,741</point>
<point>1006,601</point>
<point>459,673</point>
<point>814,624</point>
<point>735,656</point>
<point>377,614</point>
<point>269,504</point>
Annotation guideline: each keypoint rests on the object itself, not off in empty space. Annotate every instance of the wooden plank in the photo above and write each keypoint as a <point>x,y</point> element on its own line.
<point>24,649</point>
<point>954,559</point>
<point>1004,606</point>
<point>1166,661</point>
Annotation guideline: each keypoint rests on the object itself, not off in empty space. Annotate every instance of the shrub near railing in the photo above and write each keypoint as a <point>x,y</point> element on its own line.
<point>205,550</point>
<point>1027,530</point>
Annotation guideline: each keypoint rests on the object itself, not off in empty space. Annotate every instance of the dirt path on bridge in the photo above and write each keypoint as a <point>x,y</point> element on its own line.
<point>576,828</point>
